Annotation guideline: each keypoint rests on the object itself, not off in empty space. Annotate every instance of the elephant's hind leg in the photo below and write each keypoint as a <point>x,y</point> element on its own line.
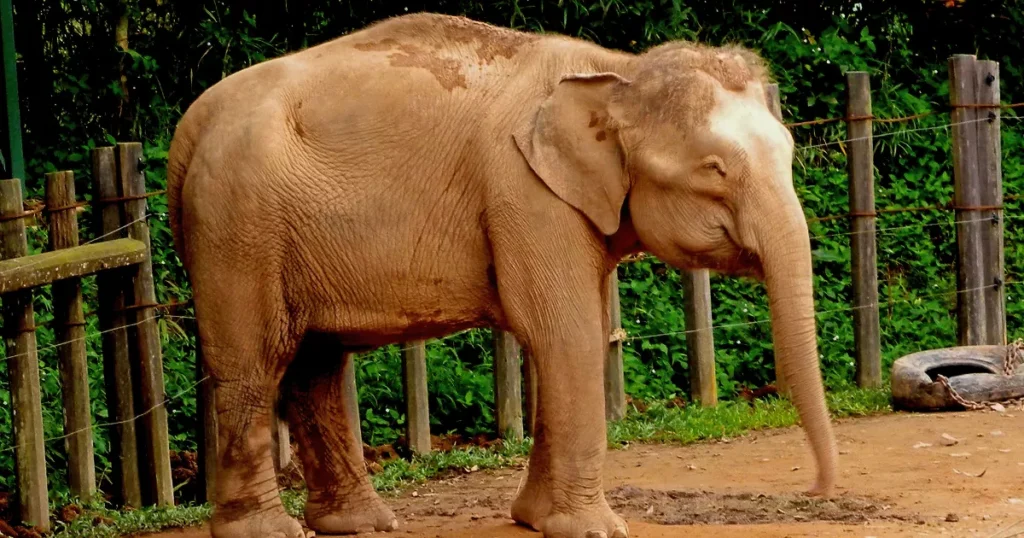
<point>247,370</point>
<point>341,498</point>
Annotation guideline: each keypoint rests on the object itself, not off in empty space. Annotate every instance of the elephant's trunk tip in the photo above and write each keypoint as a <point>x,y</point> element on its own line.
<point>825,485</point>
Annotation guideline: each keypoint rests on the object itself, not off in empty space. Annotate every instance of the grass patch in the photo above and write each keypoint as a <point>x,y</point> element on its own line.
<point>400,474</point>
<point>665,424</point>
<point>658,424</point>
<point>99,521</point>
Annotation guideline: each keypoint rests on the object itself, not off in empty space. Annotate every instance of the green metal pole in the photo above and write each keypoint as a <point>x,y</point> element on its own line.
<point>15,158</point>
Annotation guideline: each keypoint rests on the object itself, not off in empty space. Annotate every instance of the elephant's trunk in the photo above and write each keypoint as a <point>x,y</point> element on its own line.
<point>786,262</point>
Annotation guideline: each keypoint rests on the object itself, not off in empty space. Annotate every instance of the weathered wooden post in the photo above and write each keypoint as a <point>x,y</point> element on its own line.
<point>529,392</point>
<point>69,329</point>
<point>280,438</point>
<point>977,198</point>
<point>508,380</point>
<point>863,261</point>
<point>113,290</point>
<point>23,368</point>
<point>775,105</point>
<point>206,405</point>
<point>414,373</point>
<point>614,376</point>
<point>700,338</point>
<point>348,374</point>
<point>990,174</point>
<point>154,442</point>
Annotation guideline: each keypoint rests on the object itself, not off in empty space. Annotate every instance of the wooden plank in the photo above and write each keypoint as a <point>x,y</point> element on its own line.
<point>69,329</point>
<point>864,257</point>
<point>280,438</point>
<point>614,377</point>
<point>700,338</point>
<point>69,263</point>
<point>774,101</point>
<point>508,380</point>
<point>417,417</point>
<point>10,106</point>
<point>967,193</point>
<point>990,172</point>
<point>23,369</point>
<point>207,410</point>
<point>117,372</point>
<point>348,374</point>
<point>154,442</point>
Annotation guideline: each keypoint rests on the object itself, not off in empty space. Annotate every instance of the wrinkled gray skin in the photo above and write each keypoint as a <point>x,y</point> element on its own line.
<point>430,174</point>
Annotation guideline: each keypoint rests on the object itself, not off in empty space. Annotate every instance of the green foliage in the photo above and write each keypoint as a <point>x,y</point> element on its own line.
<point>661,423</point>
<point>81,90</point>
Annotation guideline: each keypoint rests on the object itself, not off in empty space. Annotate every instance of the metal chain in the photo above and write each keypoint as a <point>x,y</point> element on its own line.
<point>1014,357</point>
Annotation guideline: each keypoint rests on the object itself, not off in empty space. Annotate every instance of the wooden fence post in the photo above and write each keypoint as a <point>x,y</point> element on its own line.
<point>614,376</point>
<point>700,338</point>
<point>23,368</point>
<point>774,99</point>
<point>414,373</point>
<point>508,380</point>
<point>529,393</point>
<point>154,443</point>
<point>348,375</point>
<point>990,172</point>
<point>969,198</point>
<point>280,438</point>
<point>69,329</point>
<point>206,405</point>
<point>117,371</point>
<point>863,261</point>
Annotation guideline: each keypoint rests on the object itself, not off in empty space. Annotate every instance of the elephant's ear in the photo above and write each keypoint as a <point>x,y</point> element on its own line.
<point>572,143</point>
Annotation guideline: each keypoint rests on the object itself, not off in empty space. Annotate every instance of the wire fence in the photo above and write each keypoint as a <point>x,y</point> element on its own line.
<point>192,387</point>
<point>893,210</point>
<point>182,304</point>
<point>898,119</point>
<point>36,210</point>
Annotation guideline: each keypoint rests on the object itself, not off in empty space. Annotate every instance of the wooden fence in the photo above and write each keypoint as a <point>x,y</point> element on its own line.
<point>120,257</point>
<point>133,369</point>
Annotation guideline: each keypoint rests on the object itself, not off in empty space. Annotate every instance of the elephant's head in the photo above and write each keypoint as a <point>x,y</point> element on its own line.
<point>681,149</point>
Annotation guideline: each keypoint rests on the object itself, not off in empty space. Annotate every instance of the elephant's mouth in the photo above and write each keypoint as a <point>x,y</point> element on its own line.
<point>732,260</point>
<point>744,263</point>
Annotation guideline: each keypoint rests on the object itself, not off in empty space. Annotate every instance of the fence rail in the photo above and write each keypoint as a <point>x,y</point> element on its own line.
<point>120,256</point>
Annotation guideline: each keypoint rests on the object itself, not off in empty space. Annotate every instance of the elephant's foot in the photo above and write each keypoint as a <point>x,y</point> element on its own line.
<point>533,508</point>
<point>266,523</point>
<point>349,514</point>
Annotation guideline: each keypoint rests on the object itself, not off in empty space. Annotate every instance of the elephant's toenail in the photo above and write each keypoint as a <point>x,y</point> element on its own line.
<point>597,534</point>
<point>620,533</point>
<point>393,526</point>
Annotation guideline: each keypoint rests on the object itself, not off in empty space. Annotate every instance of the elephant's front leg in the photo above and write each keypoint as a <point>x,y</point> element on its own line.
<point>564,494</point>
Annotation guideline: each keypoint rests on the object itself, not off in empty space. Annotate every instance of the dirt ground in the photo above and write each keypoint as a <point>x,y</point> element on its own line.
<point>892,485</point>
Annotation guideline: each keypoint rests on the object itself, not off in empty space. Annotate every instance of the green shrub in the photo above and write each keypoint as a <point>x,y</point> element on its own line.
<point>80,90</point>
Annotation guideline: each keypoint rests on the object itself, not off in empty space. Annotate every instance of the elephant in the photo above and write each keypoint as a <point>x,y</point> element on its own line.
<point>430,173</point>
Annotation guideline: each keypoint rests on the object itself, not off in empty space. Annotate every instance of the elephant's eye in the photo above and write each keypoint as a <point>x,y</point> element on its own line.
<point>714,164</point>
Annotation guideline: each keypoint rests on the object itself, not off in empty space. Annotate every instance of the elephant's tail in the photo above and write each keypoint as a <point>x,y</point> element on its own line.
<point>179,158</point>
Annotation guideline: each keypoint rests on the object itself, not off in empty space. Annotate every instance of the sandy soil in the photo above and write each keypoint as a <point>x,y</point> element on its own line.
<point>891,485</point>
